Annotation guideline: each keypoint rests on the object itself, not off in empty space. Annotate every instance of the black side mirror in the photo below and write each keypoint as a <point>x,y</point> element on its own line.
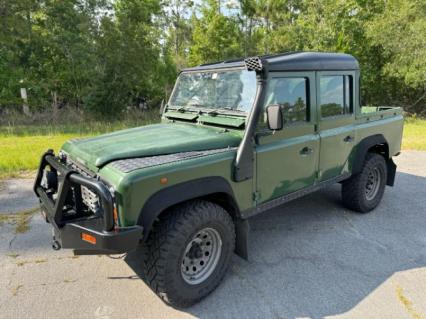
<point>275,118</point>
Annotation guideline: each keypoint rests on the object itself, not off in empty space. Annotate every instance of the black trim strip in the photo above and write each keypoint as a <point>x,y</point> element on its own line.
<point>294,195</point>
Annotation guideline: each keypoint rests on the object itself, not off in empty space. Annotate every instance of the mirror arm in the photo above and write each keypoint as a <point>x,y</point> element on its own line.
<point>163,107</point>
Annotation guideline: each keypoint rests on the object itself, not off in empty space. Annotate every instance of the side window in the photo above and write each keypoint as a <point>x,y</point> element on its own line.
<point>291,95</point>
<point>336,93</point>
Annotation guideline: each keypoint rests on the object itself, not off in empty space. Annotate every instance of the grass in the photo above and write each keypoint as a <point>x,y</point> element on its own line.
<point>20,155</point>
<point>22,145</point>
<point>414,134</point>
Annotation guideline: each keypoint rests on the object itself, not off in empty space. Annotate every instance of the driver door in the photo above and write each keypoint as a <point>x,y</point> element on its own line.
<point>287,160</point>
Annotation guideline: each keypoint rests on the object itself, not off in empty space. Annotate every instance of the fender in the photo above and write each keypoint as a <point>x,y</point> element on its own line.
<point>179,193</point>
<point>197,188</point>
<point>362,149</point>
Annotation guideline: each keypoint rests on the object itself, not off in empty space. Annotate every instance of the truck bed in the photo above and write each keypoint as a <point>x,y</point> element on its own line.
<point>372,113</point>
<point>384,120</point>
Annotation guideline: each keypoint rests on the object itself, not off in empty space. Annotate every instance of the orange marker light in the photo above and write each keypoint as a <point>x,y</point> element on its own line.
<point>89,238</point>
<point>164,180</point>
<point>115,214</point>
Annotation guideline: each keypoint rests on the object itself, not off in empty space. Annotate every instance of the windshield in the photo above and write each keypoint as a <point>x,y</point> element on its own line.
<point>232,90</point>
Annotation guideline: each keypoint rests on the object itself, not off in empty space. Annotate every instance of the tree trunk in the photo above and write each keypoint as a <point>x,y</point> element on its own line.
<point>55,105</point>
<point>25,106</point>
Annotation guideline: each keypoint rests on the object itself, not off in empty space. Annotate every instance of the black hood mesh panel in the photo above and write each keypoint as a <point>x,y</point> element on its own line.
<point>132,164</point>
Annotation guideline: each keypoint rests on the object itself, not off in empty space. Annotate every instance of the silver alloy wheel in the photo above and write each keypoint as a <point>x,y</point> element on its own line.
<point>201,256</point>
<point>373,183</point>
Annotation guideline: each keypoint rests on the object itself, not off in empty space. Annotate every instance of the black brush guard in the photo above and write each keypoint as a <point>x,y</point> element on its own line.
<point>62,206</point>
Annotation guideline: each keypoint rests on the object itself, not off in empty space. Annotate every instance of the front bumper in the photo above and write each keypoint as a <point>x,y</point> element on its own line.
<point>73,224</point>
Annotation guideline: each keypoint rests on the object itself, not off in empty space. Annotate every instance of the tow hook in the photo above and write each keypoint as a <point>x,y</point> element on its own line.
<point>56,245</point>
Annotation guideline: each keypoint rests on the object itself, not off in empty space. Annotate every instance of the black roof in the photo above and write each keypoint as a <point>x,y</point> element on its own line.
<point>293,61</point>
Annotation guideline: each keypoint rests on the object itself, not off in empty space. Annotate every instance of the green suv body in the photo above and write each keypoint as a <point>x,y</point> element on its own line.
<point>236,138</point>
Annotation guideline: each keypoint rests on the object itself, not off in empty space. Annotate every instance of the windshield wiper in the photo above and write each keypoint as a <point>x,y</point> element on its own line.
<point>212,112</point>
<point>225,110</point>
<point>181,109</point>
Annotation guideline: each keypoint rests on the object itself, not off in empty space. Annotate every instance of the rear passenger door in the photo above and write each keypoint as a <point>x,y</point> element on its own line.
<point>287,160</point>
<point>335,100</point>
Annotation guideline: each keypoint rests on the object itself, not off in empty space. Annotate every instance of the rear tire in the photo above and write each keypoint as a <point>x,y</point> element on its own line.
<point>364,191</point>
<point>188,252</point>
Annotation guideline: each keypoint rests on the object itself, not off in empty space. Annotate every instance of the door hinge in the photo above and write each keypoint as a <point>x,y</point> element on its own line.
<point>256,197</point>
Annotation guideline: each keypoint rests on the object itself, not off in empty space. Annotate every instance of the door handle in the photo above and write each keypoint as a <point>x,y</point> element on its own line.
<point>306,151</point>
<point>348,139</point>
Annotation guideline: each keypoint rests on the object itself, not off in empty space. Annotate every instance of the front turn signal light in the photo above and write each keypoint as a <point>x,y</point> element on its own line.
<point>115,216</point>
<point>89,238</point>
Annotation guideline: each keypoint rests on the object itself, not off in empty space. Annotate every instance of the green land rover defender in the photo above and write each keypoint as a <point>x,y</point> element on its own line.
<point>236,138</point>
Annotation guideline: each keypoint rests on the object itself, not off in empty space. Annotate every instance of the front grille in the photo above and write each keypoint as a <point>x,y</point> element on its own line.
<point>90,199</point>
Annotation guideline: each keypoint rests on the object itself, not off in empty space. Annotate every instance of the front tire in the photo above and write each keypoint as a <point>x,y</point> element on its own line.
<point>364,191</point>
<point>188,252</point>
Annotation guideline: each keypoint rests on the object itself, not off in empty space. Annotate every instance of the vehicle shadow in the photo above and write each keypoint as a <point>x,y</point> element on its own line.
<point>313,258</point>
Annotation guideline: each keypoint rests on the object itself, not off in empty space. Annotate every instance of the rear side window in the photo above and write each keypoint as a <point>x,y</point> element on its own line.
<point>291,95</point>
<point>336,95</point>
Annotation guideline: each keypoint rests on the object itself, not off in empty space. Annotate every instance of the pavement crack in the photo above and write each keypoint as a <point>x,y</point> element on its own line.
<point>355,232</point>
<point>11,241</point>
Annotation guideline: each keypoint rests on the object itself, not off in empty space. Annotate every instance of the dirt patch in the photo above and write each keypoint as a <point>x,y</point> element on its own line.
<point>20,220</point>
<point>36,261</point>
<point>15,290</point>
<point>69,281</point>
<point>408,305</point>
<point>23,262</point>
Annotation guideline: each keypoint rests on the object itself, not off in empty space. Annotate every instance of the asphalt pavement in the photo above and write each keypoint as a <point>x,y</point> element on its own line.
<point>16,195</point>
<point>310,258</point>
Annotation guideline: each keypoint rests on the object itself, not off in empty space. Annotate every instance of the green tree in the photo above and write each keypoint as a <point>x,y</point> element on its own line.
<point>128,58</point>
<point>106,55</point>
<point>16,46</point>
<point>332,26</point>
<point>400,33</point>
<point>65,58</point>
<point>47,47</point>
<point>215,37</point>
<point>178,36</point>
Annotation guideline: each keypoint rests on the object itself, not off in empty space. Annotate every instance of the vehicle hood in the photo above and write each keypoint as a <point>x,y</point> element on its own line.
<point>157,139</point>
